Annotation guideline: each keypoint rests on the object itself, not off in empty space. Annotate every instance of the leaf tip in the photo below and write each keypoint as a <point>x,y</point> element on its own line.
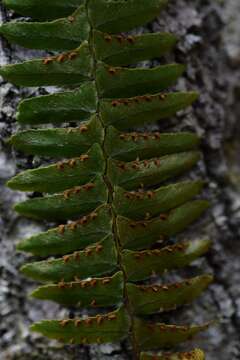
<point>20,247</point>
<point>12,183</point>
<point>36,294</point>
<point>194,95</point>
<point>36,327</point>
<point>24,246</point>
<point>204,244</point>
<point>28,270</point>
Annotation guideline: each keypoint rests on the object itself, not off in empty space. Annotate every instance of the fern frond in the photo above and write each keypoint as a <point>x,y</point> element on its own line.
<point>112,183</point>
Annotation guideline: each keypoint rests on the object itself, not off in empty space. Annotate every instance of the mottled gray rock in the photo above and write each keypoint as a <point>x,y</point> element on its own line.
<point>210,45</point>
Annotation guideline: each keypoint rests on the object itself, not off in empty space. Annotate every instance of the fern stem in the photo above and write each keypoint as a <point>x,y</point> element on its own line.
<point>135,347</point>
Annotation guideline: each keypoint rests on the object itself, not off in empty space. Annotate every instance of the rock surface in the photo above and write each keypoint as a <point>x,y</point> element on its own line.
<point>209,44</point>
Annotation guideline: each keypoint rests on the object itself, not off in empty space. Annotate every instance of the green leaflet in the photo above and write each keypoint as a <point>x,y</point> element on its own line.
<point>60,142</point>
<point>141,204</point>
<point>146,145</point>
<point>63,175</point>
<point>196,354</point>
<point>117,16</point>
<point>66,106</point>
<point>71,237</point>
<point>62,34</point>
<point>71,204</point>
<point>114,82</point>
<point>70,68</point>
<point>142,264</point>
<point>120,50</point>
<point>150,172</point>
<point>96,292</point>
<point>112,327</point>
<point>96,260</point>
<point>137,235</point>
<point>150,299</point>
<point>153,336</point>
<point>43,9</point>
<point>140,110</point>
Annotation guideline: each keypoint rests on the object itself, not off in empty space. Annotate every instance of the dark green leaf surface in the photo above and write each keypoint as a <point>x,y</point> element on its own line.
<point>143,234</point>
<point>129,113</point>
<point>96,292</point>
<point>71,237</point>
<point>43,9</point>
<point>71,204</point>
<point>150,172</point>
<point>141,204</point>
<point>114,82</point>
<point>96,260</point>
<point>59,142</point>
<point>196,354</point>
<point>120,50</point>
<point>147,300</point>
<point>117,16</point>
<point>142,264</point>
<point>154,336</point>
<point>109,328</point>
<point>62,34</point>
<point>60,107</point>
<point>130,146</point>
<point>70,68</point>
<point>63,175</point>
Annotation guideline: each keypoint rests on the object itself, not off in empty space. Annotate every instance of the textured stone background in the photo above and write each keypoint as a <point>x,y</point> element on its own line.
<point>209,32</point>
